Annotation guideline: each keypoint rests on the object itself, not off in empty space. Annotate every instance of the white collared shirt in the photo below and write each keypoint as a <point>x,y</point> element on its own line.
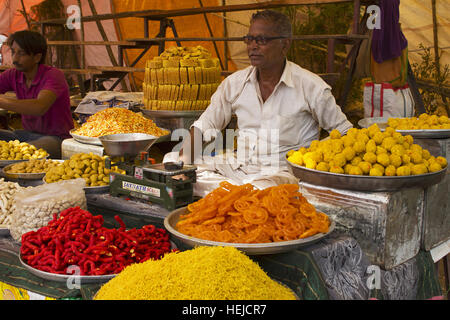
<point>290,118</point>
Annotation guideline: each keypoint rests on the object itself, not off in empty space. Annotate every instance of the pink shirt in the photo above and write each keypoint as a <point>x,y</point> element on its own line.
<point>57,121</point>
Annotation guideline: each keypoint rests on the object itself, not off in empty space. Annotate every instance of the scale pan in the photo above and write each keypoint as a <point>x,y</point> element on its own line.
<point>127,144</point>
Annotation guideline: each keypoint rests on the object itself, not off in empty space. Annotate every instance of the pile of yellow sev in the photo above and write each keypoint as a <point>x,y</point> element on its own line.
<point>118,120</point>
<point>202,273</point>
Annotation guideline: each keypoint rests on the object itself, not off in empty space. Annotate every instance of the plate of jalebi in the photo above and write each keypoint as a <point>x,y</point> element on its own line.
<point>114,121</point>
<point>273,220</point>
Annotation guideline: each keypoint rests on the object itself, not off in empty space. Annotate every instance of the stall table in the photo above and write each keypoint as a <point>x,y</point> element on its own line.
<point>333,268</point>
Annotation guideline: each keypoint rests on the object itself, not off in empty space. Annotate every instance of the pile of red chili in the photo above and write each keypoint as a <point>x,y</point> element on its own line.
<point>78,238</point>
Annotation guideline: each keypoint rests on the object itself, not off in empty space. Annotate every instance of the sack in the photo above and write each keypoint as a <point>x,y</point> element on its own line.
<point>382,100</point>
<point>35,206</point>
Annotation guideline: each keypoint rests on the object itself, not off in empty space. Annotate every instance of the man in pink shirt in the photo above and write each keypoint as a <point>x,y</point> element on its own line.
<point>42,95</point>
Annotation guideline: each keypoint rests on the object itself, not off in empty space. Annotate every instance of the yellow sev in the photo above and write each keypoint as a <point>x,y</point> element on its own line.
<point>118,120</point>
<point>203,273</point>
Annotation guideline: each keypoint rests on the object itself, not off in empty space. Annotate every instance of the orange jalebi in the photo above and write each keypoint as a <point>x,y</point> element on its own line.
<point>243,214</point>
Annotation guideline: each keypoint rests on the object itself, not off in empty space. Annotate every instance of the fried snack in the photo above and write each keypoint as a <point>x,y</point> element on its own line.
<point>33,166</point>
<point>118,120</point>
<point>243,214</point>
<point>16,150</point>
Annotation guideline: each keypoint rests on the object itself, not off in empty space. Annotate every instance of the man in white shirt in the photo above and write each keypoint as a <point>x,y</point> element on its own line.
<point>279,106</point>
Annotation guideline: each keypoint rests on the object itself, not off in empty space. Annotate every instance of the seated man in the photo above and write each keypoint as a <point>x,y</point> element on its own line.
<point>42,95</point>
<point>279,106</point>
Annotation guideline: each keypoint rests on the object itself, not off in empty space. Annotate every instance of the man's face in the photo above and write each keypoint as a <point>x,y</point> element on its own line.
<point>22,61</point>
<point>269,54</point>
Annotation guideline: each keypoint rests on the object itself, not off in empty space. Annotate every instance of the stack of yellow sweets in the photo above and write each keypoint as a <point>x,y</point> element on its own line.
<point>423,122</point>
<point>181,78</point>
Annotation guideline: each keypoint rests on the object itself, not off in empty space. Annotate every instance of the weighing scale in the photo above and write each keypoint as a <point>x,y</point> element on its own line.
<point>170,185</point>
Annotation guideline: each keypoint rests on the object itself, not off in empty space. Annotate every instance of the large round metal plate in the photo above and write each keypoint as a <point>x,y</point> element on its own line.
<point>22,176</point>
<point>91,190</point>
<point>365,183</point>
<point>249,248</point>
<point>63,278</point>
<point>422,134</point>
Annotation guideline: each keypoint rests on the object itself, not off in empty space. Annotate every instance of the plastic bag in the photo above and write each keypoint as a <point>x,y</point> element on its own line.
<point>34,207</point>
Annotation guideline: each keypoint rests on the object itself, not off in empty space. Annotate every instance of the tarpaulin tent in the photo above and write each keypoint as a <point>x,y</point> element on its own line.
<point>415,17</point>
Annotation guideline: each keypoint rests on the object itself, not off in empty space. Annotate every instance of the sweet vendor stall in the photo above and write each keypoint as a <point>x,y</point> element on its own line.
<point>364,221</point>
<point>377,244</point>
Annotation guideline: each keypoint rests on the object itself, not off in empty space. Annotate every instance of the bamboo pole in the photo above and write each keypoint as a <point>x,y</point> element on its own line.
<point>225,34</point>
<point>25,15</point>
<point>125,56</point>
<point>82,52</point>
<point>211,34</point>
<point>435,38</point>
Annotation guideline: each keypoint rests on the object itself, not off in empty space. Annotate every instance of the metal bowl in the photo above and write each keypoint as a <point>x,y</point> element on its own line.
<point>127,144</point>
<point>365,183</point>
<point>249,248</point>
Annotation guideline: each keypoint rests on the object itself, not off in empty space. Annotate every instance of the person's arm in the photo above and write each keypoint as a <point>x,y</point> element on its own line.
<point>6,81</point>
<point>32,107</point>
<point>327,112</point>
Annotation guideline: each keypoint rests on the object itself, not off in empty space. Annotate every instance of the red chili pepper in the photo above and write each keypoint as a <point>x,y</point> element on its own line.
<point>77,237</point>
<point>121,223</point>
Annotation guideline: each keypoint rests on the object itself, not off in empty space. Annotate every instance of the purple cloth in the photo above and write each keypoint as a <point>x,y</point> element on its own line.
<point>57,121</point>
<point>388,41</point>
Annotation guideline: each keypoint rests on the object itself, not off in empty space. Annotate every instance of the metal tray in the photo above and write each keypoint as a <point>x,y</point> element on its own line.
<point>96,141</point>
<point>22,176</point>
<point>423,133</point>
<point>365,183</point>
<point>249,248</point>
<point>172,113</point>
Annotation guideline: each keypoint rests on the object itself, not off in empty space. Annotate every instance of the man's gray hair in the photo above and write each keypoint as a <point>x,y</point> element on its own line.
<point>280,21</point>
